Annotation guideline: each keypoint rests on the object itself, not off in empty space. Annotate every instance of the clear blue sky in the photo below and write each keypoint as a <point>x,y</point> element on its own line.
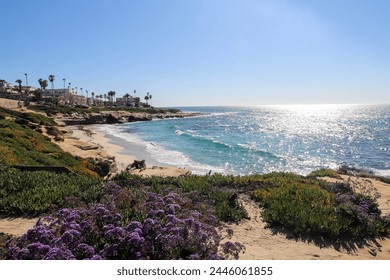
<point>204,52</point>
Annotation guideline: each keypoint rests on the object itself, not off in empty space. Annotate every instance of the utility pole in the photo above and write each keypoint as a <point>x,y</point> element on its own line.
<point>70,93</point>
<point>26,83</point>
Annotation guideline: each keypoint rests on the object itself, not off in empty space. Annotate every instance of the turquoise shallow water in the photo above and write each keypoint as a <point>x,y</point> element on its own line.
<point>247,140</point>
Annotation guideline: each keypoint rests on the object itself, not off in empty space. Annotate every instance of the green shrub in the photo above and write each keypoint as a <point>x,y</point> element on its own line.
<point>312,210</point>
<point>228,211</point>
<point>39,192</point>
<point>4,238</point>
<point>303,209</point>
<point>325,173</point>
<point>38,118</point>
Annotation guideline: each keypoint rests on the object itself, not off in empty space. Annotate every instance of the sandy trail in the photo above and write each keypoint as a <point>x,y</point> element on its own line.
<point>16,226</point>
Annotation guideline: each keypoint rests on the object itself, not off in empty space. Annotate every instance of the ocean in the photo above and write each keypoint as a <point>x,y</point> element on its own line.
<point>262,139</point>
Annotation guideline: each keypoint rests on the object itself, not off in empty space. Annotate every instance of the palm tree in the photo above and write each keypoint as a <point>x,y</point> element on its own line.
<point>81,93</point>
<point>137,101</point>
<point>38,94</point>
<point>70,93</point>
<point>111,95</point>
<point>147,97</point>
<point>51,79</point>
<point>64,89</point>
<point>93,97</point>
<point>40,81</point>
<point>19,81</point>
<point>100,97</point>
<point>25,74</point>
<point>45,84</point>
<point>3,83</point>
<point>105,97</point>
<point>126,96</point>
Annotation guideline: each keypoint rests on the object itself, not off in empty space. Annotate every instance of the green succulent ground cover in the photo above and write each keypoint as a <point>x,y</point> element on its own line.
<point>34,193</point>
<point>325,173</point>
<point>22,145</point>
<point>307,206</point>
<point>32,117</point>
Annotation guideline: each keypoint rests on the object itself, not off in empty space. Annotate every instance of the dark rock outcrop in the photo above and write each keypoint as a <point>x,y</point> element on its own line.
<point>114,117</point>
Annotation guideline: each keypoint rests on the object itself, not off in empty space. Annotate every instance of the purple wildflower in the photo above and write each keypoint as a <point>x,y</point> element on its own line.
<point>59,254</point>
<point>71,237</point>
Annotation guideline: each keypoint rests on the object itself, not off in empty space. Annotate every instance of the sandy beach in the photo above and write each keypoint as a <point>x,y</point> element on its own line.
<point>89,141</point>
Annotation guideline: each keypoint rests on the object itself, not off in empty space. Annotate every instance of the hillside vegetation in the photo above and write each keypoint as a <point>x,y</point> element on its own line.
<point>22,143</point>
<point>131,217</point>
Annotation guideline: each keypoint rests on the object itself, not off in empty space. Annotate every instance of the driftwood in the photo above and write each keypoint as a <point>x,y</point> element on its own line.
<point>137,164</point>
<point>87,147</point>
<point>187,174</point>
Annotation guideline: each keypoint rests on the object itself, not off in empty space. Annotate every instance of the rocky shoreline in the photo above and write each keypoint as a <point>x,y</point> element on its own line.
<point>115,117</point>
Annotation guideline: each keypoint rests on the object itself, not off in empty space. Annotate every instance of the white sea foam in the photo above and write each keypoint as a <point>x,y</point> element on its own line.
<point>176,158</point>
<point>119,131</point>
<point>215,114</point>
<point>159,153</point>
<point>383,173</point>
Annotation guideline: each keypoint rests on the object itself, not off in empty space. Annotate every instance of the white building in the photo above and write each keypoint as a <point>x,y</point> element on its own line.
<point>57,93</point>
<point>7,89</point>
<point>123,101</point>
